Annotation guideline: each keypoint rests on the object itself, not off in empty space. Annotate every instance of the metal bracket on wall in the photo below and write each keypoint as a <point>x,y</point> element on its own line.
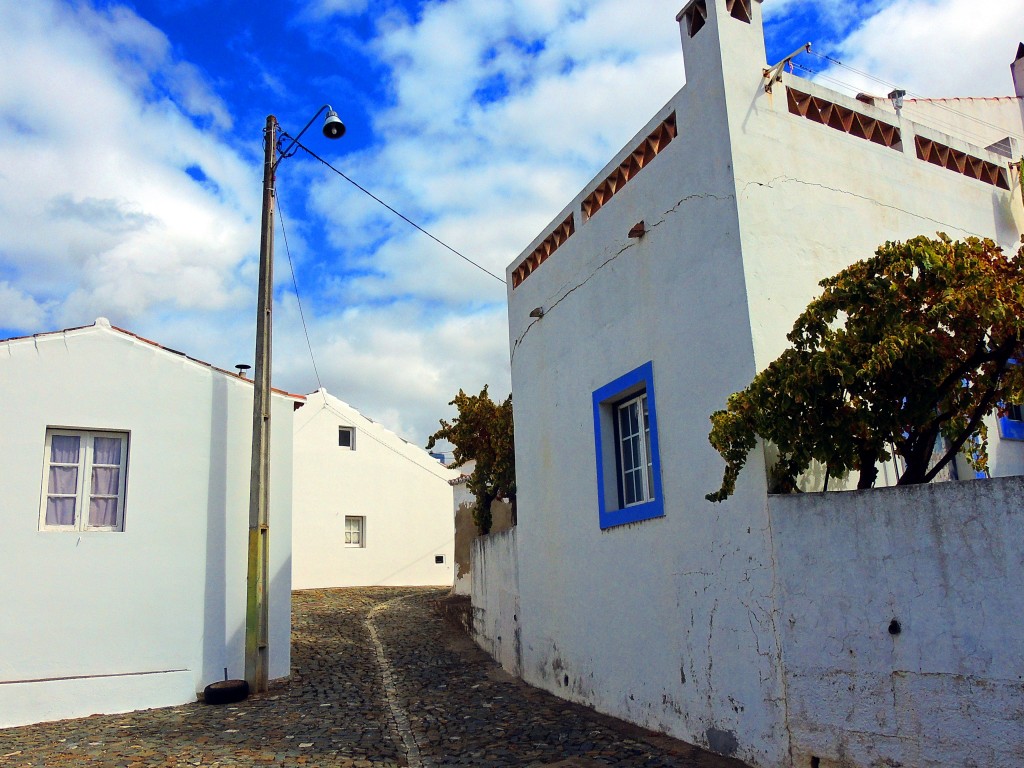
<point>773,75</point>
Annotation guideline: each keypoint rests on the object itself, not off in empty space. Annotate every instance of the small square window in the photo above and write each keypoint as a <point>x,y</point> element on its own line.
<point>84,480</point>
<point>347,437</point>
<point>355,531</point>
<point>626,447</point>
<point>439,559</point>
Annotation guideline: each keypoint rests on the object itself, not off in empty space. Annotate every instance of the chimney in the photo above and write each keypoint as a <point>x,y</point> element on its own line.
<point>1017,70</point>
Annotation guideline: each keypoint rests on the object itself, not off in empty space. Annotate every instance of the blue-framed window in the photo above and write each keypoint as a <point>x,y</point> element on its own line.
<point>1011,426</point>
<point>626,448</point>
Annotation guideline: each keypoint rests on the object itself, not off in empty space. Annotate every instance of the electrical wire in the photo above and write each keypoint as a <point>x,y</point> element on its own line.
<point>935,102</point>
<point>295,284</point>
<point>367,433</point>
<point>402,216</point>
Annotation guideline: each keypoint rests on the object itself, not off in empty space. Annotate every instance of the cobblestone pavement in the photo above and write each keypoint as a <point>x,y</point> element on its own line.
<point>378,680</point>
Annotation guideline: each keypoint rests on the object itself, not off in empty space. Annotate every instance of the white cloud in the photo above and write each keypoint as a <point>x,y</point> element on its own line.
<point>103,215</point>
<point>486,171</point>
<point>321,10</point>
<point>937,48</point>
<point>18,309</point>
<point>122,195</point>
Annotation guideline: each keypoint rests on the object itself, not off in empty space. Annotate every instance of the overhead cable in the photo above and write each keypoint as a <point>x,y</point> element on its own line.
<point>400,215</point>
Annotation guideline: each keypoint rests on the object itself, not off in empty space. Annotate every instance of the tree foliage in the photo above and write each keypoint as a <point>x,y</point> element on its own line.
<point>914,343</point>
<point>483,432</point>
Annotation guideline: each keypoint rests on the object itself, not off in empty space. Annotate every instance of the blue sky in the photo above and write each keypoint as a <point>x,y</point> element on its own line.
<point>130,184</point>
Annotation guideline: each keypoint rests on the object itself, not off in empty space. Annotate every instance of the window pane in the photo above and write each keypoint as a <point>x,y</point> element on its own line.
<point>106,450</point>
<point>60,511</point>
<point>647,451</point>
<point>104,481</point>
<point>64,449</point>
<point>63,480</point>
<point>103,511</point>
<point>628,491</point>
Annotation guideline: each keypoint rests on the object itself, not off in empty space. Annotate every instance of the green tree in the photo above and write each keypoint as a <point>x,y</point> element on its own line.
<point>914,343</point>
<point>483,432</point>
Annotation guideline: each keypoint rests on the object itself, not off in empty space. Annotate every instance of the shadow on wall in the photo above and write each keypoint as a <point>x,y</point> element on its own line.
<point>466,531</point>
<point>214,625</point>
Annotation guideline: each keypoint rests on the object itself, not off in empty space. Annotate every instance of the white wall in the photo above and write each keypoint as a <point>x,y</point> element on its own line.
<point>945,562</point>
<point>400,490</point>
<point>671,622</point>
<point>495,598</point>
<point>668,622</point>
<point>148,616</point>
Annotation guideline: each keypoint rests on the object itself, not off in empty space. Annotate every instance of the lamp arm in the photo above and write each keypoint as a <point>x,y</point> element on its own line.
<point>288,152</point>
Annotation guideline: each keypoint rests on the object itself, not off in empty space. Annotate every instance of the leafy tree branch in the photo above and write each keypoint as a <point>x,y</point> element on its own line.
<point>483,432</point>
<point>915,343</point>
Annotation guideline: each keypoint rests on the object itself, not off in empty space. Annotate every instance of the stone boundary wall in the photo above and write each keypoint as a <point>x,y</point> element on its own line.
<point>495,598</point>
<point>900,613</point>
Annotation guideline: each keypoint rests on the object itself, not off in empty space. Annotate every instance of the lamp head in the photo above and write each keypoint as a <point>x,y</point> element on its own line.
<point>333,127</point>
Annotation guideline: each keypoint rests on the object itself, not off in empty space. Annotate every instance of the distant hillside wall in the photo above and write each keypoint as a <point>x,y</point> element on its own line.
<point>900,613</point>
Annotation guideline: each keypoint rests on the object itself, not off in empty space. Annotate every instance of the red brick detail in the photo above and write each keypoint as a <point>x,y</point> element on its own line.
<point>543,251</point>
<point>650,147</point>
<point>954,160</point>
<point>843,119</point>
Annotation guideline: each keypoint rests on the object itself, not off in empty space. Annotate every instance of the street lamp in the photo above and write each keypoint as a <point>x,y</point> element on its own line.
<point>256,614</point>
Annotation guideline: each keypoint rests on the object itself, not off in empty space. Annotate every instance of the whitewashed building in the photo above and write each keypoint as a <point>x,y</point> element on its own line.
<point>370,509</point>
<point>124,523</point>
<point>664,286</point>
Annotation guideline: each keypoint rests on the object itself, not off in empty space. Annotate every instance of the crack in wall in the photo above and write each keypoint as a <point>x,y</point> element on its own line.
<point>790,180</point>
<point>613,257</point>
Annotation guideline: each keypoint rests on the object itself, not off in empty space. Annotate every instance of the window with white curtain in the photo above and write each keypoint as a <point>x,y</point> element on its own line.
<point>355,531</point>
<point>84,477</point>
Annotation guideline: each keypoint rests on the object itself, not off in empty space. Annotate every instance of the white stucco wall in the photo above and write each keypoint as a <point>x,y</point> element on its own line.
<point>114,621</point>
<point>668,622</point>
<point>495,598</point>
<point>671,622</point>
<point>944,561</point>
<point>814,199</point>
<point>401,491</point>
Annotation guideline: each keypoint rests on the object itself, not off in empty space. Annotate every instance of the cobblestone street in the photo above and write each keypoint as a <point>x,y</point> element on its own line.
<point>378,679</point>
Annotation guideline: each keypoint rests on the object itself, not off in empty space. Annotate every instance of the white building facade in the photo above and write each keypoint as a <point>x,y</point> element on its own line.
<point>663,287</point>
<point>370,509</point>
<point>125,523</point>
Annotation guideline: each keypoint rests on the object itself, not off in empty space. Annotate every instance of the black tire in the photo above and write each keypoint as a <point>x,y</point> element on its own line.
<point>226,692</point>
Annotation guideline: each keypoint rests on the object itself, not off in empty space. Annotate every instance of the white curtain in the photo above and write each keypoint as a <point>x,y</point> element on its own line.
<point>60,509</point>
<point>106,458</point>
<point>106,450</point>
<point>102,511</point>
<point>64,449</point>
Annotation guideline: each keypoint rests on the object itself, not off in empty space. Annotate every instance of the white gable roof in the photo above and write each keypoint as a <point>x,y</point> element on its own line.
<point>322,400</point>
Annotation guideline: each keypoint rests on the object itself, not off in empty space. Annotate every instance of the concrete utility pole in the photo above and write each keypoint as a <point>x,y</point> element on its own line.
<point>257,640</point>
<point>256,614</point>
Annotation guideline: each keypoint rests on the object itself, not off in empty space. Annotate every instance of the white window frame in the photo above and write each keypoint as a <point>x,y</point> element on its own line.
<point>351,437</point>
<point>641,441</point>
<point>83,487</point>
<point>361,543</point>
<point>632,387</point>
